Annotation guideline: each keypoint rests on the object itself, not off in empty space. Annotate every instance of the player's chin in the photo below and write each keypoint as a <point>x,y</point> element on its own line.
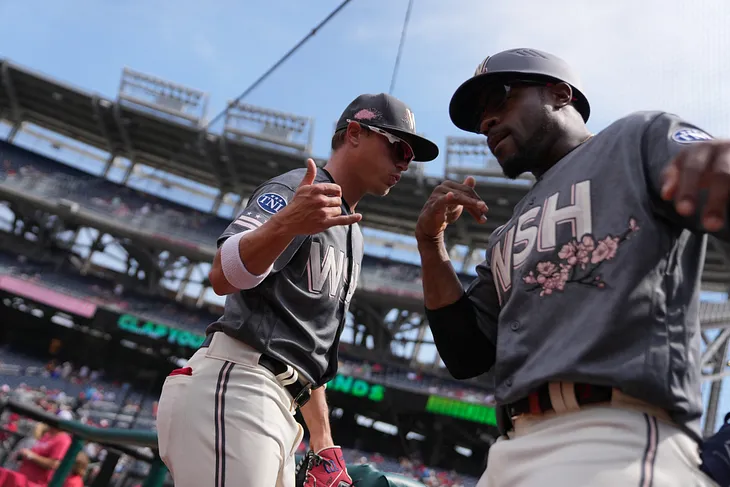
<point>504,152</point>
<point>513,167</point>
<point>382,189</point>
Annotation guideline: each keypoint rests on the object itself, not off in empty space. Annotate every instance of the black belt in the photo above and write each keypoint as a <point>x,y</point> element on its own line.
<point>539,402</point>
<point>299,390</point>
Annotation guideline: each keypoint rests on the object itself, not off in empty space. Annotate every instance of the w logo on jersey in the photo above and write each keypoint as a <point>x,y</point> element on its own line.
<point>329,269</point>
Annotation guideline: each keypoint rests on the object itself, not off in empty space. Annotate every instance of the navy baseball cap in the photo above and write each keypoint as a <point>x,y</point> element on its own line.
<point>510,66</point>
<point>388,113</point>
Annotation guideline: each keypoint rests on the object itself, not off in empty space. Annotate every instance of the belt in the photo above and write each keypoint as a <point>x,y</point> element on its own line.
<point>299,390</point>
<point>539,402</point>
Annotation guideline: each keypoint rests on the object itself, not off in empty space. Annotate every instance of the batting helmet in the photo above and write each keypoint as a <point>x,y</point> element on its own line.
<point>509,66</point>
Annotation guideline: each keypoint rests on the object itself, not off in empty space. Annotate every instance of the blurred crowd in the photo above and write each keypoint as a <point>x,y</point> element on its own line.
<point>21,438</point>
<point>410,467</point>
<point>30,451</point>
<point>82,394</point>
<point>107,293</point>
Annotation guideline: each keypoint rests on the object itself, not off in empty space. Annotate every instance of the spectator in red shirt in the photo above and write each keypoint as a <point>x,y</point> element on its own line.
<point>40,461</point>
<point>76,479</point>
<point>11,427</point>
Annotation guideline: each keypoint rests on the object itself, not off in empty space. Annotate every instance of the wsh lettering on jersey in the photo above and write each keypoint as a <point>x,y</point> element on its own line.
<point>329,269</point>
<point>575,260</point>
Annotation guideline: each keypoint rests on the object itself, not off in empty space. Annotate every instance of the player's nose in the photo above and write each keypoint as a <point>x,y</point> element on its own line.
<point>401,165</point>
<point>488,121</point>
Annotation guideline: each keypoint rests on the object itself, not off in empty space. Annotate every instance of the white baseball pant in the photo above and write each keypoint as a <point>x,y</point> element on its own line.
<point>228,424</point>
<point>626,443</point>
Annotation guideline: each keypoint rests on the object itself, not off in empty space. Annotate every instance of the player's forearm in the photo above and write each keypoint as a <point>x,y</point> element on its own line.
<point>316,416</point>
<point>258,250</point>
<point>441,285</point>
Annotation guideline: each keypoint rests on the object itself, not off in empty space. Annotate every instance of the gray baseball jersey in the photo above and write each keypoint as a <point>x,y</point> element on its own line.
<point>296,314</point>
<point>594,279</point>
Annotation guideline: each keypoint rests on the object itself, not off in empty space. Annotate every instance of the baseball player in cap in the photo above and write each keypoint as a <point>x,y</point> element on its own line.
<point>585,308</point>
<point>288,265</point>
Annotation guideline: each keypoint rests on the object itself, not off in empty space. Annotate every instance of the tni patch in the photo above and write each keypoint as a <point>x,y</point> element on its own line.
<point>271,202</point>
<point>690,136</point>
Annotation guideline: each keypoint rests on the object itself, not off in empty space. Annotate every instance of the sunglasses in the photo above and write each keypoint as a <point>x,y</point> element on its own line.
<point>494,96</point>
<point>403,150</point>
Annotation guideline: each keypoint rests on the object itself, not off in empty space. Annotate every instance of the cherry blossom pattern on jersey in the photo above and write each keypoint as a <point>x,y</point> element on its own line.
<point>578,262</point>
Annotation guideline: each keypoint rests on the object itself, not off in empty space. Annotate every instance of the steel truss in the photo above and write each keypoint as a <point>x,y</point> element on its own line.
<point>389,331</point>
<point>151,270</point>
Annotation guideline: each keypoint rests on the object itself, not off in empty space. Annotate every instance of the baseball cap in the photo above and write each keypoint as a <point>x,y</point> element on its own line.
<point>508,66</point>
<point>388,113</point>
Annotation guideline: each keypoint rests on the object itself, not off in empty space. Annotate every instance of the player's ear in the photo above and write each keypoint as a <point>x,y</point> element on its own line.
<point>561,94</point>
<point>354,132</point>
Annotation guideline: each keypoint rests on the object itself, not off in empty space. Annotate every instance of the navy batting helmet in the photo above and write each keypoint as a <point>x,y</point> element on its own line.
<point>509,66</point>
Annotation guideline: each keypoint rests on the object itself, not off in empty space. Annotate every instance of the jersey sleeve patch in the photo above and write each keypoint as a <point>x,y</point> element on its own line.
<point>271,202</point>
<point>690,136</point>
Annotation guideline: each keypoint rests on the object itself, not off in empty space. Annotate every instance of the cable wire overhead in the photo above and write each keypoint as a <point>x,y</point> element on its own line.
<point>281,61</point>
<point>400,47</point>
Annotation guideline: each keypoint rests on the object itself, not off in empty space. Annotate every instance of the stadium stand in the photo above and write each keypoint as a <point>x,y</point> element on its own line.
<point>102,292</point>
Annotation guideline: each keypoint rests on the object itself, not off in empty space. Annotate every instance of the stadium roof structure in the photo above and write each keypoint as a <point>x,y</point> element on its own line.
<point>162,125</point>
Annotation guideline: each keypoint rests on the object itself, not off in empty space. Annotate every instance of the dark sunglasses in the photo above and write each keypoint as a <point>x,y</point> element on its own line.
<point>403,150</point>
<point>494,96</point>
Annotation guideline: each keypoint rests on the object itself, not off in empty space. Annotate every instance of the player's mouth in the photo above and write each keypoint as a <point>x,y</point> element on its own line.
<point>495,139</point>
<point>393,179</point>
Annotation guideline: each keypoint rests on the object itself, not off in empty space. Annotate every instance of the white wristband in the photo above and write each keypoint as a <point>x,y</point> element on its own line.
<point>234,270</point>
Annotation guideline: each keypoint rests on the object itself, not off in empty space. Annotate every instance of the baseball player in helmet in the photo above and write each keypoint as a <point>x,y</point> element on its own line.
<point>288,265</point>
<point>585,308</point>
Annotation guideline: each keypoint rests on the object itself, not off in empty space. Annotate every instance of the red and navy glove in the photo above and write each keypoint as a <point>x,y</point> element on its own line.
<point>326,468</point>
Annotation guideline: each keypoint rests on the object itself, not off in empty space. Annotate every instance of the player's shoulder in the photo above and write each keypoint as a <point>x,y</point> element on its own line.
<point>291,179</point>
<point>659,124</point>
<point>638,120</point>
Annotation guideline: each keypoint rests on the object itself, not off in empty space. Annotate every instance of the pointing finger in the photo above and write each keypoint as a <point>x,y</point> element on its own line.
<point>692,167</point>
<point>478,217</point>
<point>476,208</point>
<point>718,181</point>
<point>670,181</point>
<point>468,202</point>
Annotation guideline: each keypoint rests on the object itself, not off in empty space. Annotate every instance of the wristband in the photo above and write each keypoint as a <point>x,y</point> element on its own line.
<point>234,270</point>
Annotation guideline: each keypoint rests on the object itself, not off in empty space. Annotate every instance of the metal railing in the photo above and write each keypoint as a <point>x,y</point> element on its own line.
<point>117,441</point>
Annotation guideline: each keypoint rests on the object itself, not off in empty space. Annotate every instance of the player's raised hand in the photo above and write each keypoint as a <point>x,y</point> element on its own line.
<point>702,166</point>
<point>315,207</point>
<point>446,204</point>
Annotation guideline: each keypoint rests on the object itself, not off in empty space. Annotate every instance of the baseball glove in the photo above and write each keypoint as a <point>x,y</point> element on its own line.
<point>326,468</point>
